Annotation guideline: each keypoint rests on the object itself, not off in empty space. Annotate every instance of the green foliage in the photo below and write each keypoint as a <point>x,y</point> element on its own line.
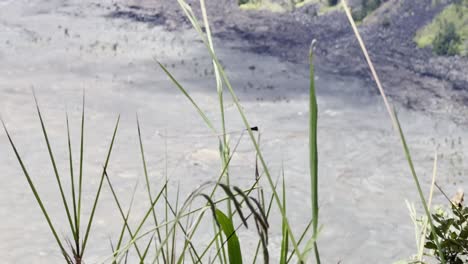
<point>452,230</point>
<point>78,245</point>
<point>447,40</point>
<point>447,34</point>
<point>234,250</point>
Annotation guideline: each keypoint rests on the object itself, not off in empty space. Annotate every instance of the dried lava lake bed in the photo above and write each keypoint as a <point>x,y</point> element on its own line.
<point>61,49</point>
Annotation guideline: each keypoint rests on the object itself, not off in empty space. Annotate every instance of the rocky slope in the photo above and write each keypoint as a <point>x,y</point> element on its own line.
<point>415,77</point>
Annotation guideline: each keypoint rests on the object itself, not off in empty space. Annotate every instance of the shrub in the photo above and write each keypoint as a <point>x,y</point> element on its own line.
<point>447,40</point>
<point>452,231</point>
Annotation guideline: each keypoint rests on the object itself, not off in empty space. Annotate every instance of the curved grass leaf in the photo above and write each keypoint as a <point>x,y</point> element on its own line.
<point>98,193</point>
<point>234,251</point>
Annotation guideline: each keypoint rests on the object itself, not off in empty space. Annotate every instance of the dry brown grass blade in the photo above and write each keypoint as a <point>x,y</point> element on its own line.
<point>369,62</point>
<point>395,121</point>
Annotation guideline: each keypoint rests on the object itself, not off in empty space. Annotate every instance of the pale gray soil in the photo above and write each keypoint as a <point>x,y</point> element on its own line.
<point>61,48</point>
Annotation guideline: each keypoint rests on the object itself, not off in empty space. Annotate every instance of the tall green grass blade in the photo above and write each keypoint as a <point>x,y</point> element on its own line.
<point>148,212</point>
<point>166,214</point>
<point>234,250</point>
<point>180,216</point>
<point>124,226</point>
<point>418,186</point>
<point>80,177</point>
<point>73,190</point>
<point>268,211</point>
<point>218,234</point>
<point>301,238</point>
<point>36,195</point>
<point>196,258</point>
<point>98,193</point>
<point>226,241</point>
<point>392,114</point>
<point>148,186</point>
<point>145,253</point>
<point>121,212</point>
<point>198,221</point>
<point>136,235</point>
<point>182,89</point>
<point>173,244</point>
<point>284,230</point>
<point>190,15</point>
<point>218,242</point>
<point>57,176</point>
<point>313,153</point>
<point>219,89</point>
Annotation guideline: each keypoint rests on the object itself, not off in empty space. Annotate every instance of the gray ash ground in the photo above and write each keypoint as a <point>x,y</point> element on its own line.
<point>62,47</point>
<point>413,76</point>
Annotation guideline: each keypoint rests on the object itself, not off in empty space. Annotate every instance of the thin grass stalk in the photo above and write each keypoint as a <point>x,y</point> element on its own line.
<point>418,186</point>
<point>36,195</point>
<point>173,245</point>
<point>219,233</point>
<point>142,259</point>
<point>219,89</point>
<point>80,178</point>
<point>168,255</point>
<point>122,231</point>
<point>270,205</point>
<point>313,153</point>
<point>186,8</point>
<point>54,166</point>
<point>180,87</point>
<point>192,249</point>
<point>73,190</point>
<point>98,193</point>
<point>429,202</point>
<point>218,241</point>
<point>148,212</point>
<point>183,229</point>
<point>225,241</point>
<point>301,238</point>
<point>111,187</point>
<point>451,202</point>
<point>395,121</point>
<point>194,195</point>
<point>148,187</point>
<point>181,216</point>
<point>284,230</point>
<point>198,221</point>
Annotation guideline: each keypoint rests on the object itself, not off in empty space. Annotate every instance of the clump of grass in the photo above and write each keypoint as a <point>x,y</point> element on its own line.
<point>79,241</point>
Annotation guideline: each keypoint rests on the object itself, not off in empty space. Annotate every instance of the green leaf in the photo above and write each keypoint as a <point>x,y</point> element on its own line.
<point>430,245</point>
<point>313,152</point>
<point>234,251</point>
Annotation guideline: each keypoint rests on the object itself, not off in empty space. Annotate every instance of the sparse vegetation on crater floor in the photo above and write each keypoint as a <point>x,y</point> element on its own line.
<point>447,34</point>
